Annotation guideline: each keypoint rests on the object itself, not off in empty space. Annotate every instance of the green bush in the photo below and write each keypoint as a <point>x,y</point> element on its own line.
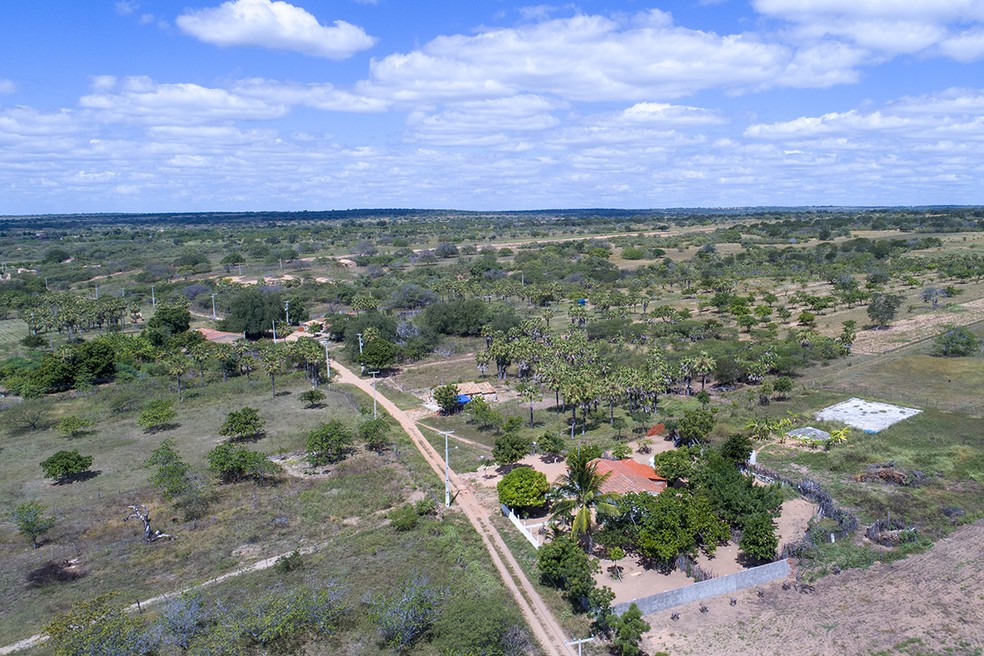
<point>233,463</point>
<point>65,466</point>
<point>523,488</point>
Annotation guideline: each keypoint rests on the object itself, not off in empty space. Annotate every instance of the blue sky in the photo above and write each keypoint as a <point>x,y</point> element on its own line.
<point>152,105</point>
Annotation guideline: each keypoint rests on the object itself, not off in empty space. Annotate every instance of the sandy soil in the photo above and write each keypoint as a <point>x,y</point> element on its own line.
<point>930,603</point>
<point>924,326</point>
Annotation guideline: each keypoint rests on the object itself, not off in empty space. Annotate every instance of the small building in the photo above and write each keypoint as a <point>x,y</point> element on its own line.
<point>628,476</point>
<point>471,390</point>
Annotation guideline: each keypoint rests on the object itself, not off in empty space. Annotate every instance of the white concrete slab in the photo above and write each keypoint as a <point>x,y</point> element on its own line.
<point>869,416</point>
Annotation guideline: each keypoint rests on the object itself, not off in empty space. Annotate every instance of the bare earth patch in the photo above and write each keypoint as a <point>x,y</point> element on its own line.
<point>930,603</point>
<point>918,328</point>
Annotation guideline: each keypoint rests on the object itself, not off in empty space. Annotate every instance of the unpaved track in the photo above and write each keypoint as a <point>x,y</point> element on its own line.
<point>545,627</point>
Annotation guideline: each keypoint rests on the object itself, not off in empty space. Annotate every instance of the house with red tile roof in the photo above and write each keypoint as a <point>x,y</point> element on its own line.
<point>628,476</point>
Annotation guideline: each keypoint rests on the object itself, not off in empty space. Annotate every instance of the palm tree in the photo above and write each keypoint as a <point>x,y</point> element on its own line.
<point>581,496</point>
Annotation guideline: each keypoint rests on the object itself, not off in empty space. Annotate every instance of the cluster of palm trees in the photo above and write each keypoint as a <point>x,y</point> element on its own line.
<point>72,313</point>
<point>570,365</point>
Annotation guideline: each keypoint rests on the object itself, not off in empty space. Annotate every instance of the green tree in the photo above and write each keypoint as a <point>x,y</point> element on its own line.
<point>171,477</point>
<point>695,425</point>
<point>252,311</point>
<point>375,434</point>
<point>552,444</point>
<point>65,466</point>
<point>511,447</point>
<point>737,448</point>
<point>627,632</point>
<point>31,521</point>
<point>379,354</point>
<point>312,397</point>
<point>783,385</point>
<point>156,415</point>
<point>242,424</point>
<point>167,320</point>
<point>882,308</point>
<point>955,341</point>
<point>759,542</point>
<point>523,488</point>
<point>564,565</point>
<point>329,443</point>
<point>233,463</point>
<point>678,464</point>
<point>581,497</point>
<point>73,426</point>
<point>446,398</point>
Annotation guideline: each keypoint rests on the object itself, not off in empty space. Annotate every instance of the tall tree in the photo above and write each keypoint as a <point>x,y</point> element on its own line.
<point>581,497</point>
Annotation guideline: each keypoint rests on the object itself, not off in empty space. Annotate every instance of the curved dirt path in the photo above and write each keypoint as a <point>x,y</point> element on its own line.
<point>545,627</point>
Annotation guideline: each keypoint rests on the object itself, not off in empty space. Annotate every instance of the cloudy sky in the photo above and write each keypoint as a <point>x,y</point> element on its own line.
<point>156,105</point>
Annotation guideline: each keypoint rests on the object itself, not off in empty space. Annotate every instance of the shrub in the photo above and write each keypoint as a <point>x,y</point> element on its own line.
<point>241,424</point>
<point>233,463</point>
<point>407,614</point>
<point>312,397</point>
<point>564,565</point>
<point>31,522</point>
<point>289,563</point>
<point>156,415</point>
<point>329,443</point>
<point>955,341</point>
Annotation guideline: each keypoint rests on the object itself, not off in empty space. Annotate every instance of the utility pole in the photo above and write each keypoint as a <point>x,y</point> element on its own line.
<point>213,307</point>
<point>447,471</point>
<point>240,270</point>
<point>362,366</point>
<point>97,292</point>
<point>153,299</point>
<point>327,361</point>
<point>373,393</point>
<point>274,331</point>
<point>287,311</point>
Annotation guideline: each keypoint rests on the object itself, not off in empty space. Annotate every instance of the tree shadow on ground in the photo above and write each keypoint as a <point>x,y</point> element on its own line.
<point>77,478</point>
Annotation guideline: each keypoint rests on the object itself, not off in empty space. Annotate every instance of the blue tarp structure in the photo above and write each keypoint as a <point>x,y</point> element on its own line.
<point>463,399</point>
<point>582,301</point>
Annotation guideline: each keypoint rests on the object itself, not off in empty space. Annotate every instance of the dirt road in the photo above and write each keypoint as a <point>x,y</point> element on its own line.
<point>545,627</point>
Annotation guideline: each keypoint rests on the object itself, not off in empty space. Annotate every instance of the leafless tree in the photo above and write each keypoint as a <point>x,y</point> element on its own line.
<point>140,512</point>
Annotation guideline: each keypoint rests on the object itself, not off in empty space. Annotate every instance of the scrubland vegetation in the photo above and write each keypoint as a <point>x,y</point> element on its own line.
<point>593,327</point>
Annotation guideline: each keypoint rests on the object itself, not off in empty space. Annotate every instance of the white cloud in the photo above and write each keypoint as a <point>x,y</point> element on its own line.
<point>319,96</point>
<point>965,46</point>
<point>483,122</point>
<point>126,7</point>
<point>274,24</point>
<point>887,27</point>
<point>664,114</point>
<point>7,86</point>
<point>140,98</point>
<point>592,58</point>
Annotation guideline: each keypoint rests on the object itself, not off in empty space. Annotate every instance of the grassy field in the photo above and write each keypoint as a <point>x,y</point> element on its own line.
<point>345,510</point>
<point>944,441</point>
